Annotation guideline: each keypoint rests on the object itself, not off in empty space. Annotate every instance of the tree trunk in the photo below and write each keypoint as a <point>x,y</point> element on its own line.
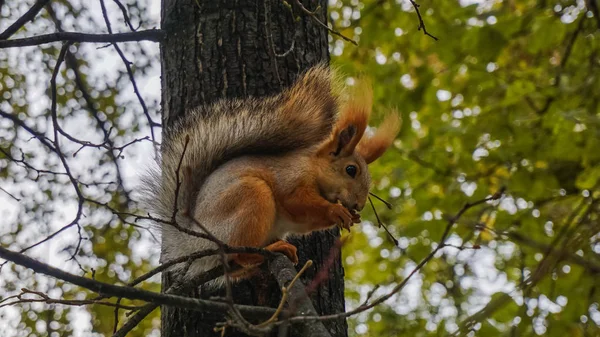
<point>226,48</point>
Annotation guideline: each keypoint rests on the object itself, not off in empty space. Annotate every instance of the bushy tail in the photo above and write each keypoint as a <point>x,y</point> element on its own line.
<point>299,117</point>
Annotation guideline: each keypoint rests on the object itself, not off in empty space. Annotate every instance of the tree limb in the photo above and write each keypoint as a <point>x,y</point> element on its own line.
<point>130,292</point>
<point>154,35</point>
<point>28,16</point>
<point>283,270</point>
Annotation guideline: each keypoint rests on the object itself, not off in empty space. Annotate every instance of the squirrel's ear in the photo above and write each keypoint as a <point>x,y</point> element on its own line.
<point>341,143</point>
<point>344,141</point>
<point>373,147</point>
<point>352,121</point>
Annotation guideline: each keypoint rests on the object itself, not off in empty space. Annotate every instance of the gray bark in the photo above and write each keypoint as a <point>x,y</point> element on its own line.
<point>226,48</point>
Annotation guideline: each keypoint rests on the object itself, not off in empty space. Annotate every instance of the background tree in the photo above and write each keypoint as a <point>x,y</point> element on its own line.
<point>505,100</point>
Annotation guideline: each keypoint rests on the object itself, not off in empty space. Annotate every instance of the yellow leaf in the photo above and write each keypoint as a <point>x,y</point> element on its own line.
<point>488,220</point>
<point>486,236</point>
<point>502,172</point>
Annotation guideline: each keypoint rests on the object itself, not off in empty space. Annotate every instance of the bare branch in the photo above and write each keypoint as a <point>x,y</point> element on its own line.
<point>43,298</point>
<point>153,35</point>
<point>195,282</point>
<point>130,292</point>
<point>43,139</point>
<point>127,64</point>
<point>56,128</point>
<point>28,16</point>
<point>172,262</point>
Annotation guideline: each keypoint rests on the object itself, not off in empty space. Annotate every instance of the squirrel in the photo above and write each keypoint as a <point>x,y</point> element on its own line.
<point>254,170</point>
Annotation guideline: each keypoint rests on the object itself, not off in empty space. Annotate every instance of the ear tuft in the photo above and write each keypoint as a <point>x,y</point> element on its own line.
<point>371,148</point>
<point>351,121</point>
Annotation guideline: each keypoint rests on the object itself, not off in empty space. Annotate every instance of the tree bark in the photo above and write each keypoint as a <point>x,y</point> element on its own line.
<point>226,48</point>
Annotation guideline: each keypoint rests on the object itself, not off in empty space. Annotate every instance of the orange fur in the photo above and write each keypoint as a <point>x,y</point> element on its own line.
<point>286,248</point>
<point>251,260</point>
<point>253,203</point>
<point>371,148</point>
<point>306,206</point>
<point>354,113</point>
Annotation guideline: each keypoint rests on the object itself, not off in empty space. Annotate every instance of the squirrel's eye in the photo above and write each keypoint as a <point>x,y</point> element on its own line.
<point>351,170</point>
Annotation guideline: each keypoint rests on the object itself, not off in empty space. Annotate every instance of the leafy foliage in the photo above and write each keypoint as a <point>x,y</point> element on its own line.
<point>506,99</point>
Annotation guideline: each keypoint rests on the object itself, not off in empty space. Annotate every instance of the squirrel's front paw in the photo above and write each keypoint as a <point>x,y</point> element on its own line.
<point>340,216</point>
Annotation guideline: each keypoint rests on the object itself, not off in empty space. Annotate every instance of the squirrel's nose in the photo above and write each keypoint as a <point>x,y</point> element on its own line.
<point>358,207</point>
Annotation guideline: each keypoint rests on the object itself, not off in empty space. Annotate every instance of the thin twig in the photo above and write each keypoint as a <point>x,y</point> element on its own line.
<point>441,244</point>
<point>178,180</point>
<point>48,300</point>
<point>57,150</point>
<point>283,270</point>
<point>125,15</point>
<point>381,224</point>
<point>134,320</point>
<point>313,15</point>
<point>561,68</point>
<point>284,295</point>
<point>9,194</point>
<point>127,64</point>
<point>421,23</point>
<point>43,139</point>
<point>387,204</point>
